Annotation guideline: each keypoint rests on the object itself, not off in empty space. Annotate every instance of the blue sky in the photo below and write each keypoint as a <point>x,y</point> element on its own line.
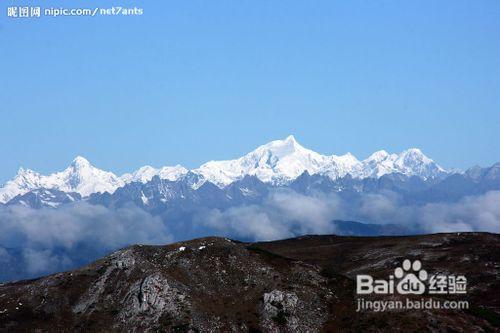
<point>191,81</point>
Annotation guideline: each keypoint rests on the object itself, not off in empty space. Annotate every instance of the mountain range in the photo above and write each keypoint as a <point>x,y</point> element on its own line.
<point>276,163</point>
<point>279,190</point>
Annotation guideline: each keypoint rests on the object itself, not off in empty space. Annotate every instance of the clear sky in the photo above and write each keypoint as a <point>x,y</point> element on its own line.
<point>194,80</point>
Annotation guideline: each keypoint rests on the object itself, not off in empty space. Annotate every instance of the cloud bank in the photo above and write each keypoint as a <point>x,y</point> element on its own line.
<point>282,214</point>
<point>40,241</point>
<point>46,240</point>
<point>287,214</point>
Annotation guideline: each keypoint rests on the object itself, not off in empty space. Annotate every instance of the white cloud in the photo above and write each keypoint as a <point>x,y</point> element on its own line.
<point>287,214</point>
<point>282,214</point>
<point>476,213</point>
<point>54,239</point>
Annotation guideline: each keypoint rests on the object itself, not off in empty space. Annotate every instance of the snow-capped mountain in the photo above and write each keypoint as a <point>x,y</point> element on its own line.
<point>411,162</point>
<point>277,163</point>
<point>25,181</point>
<point>80,177</point>
<point>282,161</point>
<point>146,173</point>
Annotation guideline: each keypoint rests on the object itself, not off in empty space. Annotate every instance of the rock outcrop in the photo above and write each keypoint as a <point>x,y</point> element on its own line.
<point>219,285</point>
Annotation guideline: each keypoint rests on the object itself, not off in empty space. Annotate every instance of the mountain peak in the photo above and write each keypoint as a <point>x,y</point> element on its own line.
<point>378,156</point>
<point>413,151</point>
<point>416,155</point>
<point>281,148</point>
<point>146,173</point>
<point>289,142</point>
<point>80,162</point>
<point>22,171</point>
<point>277,162</point>
<point>291,139</point>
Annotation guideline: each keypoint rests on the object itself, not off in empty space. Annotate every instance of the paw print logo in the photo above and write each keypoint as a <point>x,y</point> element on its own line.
<point>411,277</point>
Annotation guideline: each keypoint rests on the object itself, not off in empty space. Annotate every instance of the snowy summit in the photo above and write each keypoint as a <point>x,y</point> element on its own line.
<point>277,162</point>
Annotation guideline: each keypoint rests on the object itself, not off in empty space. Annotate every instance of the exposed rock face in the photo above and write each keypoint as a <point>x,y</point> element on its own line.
<point>215,284</point>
